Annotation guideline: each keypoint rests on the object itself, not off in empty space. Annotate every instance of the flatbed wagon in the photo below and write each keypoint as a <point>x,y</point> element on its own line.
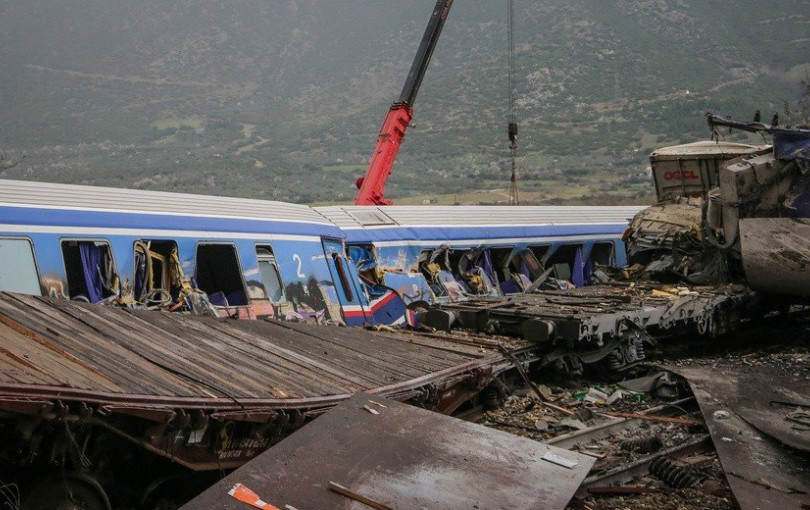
<point>608,323</point>
<point>85,390</point>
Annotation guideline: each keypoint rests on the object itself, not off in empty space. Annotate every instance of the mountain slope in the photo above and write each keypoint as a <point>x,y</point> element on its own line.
<point>269,98</point>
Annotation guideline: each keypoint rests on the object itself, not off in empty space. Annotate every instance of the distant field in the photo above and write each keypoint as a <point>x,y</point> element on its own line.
<point>192,122</point>
<point>345,168</point>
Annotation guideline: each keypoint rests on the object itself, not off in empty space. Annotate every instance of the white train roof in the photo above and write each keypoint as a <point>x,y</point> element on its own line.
<point>360,217</point>
<point>90,198</point>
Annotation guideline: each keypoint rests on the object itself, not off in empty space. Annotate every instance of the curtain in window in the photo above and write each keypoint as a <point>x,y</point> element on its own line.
<point>578,270</point>
<point>91,256</point>
<point>140,275</point>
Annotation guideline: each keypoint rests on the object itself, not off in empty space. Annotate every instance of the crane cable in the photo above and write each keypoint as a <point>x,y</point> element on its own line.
<point>512,129</point>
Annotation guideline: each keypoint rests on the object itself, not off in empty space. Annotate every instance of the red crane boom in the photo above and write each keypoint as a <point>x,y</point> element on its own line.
<point>372,186</point>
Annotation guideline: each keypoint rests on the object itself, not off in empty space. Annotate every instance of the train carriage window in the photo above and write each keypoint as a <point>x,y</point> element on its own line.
<point>507,279</point>
<point>473,270</point>
<point>158,276</point>
<point>90,270</point>
<point>603,254</point>
<point>271,277</point>
<point>18,268</point>
<point>568,264</point>
<point>540,251</point>
<point>218,274</point>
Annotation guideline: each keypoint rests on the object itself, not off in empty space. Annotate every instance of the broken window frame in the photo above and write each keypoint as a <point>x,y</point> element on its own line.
<point>342,276</point>
<point>540,252</point>
<point>170,287</point>
<point>108,288</point>
<point>526,255</point>
<point>549,263</point>
<point>271,260</point>
<point>16,268</point>
<point>425,259</point>
<point>235,252</point>
<point>501,257</point>
<point>611,262</point>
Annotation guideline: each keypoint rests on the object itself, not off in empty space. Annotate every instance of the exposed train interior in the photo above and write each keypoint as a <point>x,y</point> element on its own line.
<point>456,274</point>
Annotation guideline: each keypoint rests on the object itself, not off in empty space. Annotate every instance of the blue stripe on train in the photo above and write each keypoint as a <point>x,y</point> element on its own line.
<point>104,219</point>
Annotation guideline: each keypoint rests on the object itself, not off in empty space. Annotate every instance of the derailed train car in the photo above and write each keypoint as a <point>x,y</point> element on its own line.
<point>440,254</point>
<point>251,258</point>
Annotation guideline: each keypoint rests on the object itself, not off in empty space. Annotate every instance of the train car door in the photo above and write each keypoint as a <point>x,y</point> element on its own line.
<point>347,285</point>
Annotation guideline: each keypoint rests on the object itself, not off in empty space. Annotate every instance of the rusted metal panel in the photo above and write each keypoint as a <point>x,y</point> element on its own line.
<point>763,473</point>
<point>403,457</point>
<point>776,254</point>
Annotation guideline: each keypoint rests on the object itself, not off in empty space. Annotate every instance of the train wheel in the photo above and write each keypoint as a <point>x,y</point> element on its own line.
<point>71,491</point>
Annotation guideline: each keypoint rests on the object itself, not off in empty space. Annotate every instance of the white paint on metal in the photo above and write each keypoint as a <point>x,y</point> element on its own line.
<point>356,217</point>
<point>116,200</point>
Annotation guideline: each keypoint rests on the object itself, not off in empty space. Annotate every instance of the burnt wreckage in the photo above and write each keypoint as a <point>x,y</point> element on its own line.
<point>725,243</point>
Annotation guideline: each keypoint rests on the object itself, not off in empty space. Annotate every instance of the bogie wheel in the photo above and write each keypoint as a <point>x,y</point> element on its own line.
<point>70,491</point>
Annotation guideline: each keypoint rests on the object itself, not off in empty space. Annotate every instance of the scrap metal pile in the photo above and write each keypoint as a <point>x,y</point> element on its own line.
<point>726,428</point>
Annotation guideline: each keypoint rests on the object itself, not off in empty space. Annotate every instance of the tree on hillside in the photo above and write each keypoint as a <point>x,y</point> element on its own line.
<point>798,115</point>
<point>6,162</point>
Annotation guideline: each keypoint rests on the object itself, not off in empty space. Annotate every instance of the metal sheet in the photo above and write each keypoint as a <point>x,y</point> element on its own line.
<point>720,150</point>
<point>762,472</point>
<point>776,254</point>
<point>404,457</point>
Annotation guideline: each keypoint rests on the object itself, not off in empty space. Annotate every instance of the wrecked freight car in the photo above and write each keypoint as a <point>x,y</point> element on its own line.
<point>102,407</point>
<point>729,213</point>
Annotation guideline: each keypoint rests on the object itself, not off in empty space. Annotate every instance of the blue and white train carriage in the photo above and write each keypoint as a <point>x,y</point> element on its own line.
<point>453,252</point>
<point>257,258</point>
<point>252,258</point>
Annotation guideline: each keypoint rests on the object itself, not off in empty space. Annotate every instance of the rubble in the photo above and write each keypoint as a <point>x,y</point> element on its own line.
<point>617,443</point>
<point>767,386</point>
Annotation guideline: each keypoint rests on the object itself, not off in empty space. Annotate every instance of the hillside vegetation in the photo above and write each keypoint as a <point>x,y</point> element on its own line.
<point>283,99</point>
